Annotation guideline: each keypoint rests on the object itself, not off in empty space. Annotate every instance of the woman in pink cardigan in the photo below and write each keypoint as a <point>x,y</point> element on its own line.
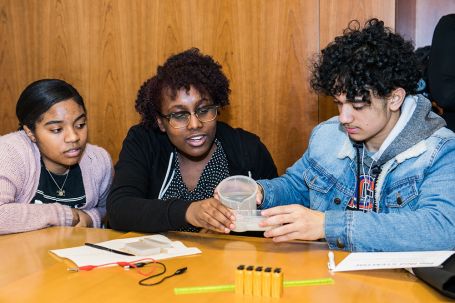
<point>49,174</point>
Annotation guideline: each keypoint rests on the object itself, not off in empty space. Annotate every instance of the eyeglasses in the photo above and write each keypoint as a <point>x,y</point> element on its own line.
<point>182,119</point>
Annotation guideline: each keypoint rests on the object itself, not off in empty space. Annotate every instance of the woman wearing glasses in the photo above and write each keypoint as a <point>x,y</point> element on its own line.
<point>172,161</point>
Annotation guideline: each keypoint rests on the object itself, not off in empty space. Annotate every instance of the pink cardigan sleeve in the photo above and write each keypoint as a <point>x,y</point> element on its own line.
<point>18,180</point>
<point>98,175</point>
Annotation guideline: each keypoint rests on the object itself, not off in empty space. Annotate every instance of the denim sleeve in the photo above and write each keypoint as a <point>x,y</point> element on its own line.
<point>430,226</point>
<point>289,188</point>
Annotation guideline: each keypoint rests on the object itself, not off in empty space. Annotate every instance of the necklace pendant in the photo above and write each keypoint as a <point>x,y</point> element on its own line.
<point>61,192</point>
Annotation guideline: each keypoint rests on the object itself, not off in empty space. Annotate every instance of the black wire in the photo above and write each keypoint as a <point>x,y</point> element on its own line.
<point>177,272</point>
<point>163,270</point>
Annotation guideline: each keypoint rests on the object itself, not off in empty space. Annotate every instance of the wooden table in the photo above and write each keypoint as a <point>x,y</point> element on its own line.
<point>29,273</point>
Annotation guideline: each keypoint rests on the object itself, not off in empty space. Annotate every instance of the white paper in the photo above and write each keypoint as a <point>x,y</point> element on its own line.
<point>86,255</point>
<point>388,260</point>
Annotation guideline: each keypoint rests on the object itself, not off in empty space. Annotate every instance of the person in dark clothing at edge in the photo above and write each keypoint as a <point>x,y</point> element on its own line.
<point>441,68</point>
<point>172,161</point>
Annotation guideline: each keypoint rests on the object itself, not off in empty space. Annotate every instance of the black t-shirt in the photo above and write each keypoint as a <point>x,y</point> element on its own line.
<point>70,190</point>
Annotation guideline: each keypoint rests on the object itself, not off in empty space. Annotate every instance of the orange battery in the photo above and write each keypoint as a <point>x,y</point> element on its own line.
<point>267,282</point>
<point>277,283</point>
<point>239,279</point>
<point>248,281</point>
<point>257,281</point>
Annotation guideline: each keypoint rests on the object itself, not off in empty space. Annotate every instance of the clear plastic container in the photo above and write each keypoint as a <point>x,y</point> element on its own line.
<point>248,220</point>
<point>238,192</point>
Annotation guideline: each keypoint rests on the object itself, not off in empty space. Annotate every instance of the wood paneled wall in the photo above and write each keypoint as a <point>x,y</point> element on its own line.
<point>332,25</point>
<point>106,49</point>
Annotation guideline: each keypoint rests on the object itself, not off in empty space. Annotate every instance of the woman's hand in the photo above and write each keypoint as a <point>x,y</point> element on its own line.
<point>84,219</point>
<point>210,214</point>
<point>293,222</point>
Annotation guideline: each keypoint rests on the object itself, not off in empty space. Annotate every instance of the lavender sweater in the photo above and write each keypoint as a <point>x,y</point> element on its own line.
<point>20,169</point>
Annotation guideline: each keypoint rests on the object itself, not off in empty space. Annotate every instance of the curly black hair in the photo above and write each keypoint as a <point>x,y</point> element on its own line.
<point>372,59</point>
<point>183,70</point>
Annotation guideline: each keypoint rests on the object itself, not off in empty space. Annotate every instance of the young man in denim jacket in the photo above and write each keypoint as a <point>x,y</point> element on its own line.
<point>381,175</point>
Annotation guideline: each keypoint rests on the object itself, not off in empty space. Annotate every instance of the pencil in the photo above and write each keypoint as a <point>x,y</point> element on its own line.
<point>108,249</point>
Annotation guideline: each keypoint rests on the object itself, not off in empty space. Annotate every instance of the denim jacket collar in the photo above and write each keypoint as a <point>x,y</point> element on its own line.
<point>347,150</point>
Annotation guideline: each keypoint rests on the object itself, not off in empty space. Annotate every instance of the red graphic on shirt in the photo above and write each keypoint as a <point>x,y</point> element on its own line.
<point>366,194</point>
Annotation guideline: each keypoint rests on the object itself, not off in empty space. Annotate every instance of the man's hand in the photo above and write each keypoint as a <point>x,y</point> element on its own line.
<point>293,222</point>
<point>210,214</point>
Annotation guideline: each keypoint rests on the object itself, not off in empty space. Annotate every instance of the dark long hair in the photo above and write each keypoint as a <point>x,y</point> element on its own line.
<point>39,96</point>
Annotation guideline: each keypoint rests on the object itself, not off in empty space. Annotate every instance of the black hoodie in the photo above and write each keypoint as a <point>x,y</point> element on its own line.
<point>133,203</point>
<point>441,68</point>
